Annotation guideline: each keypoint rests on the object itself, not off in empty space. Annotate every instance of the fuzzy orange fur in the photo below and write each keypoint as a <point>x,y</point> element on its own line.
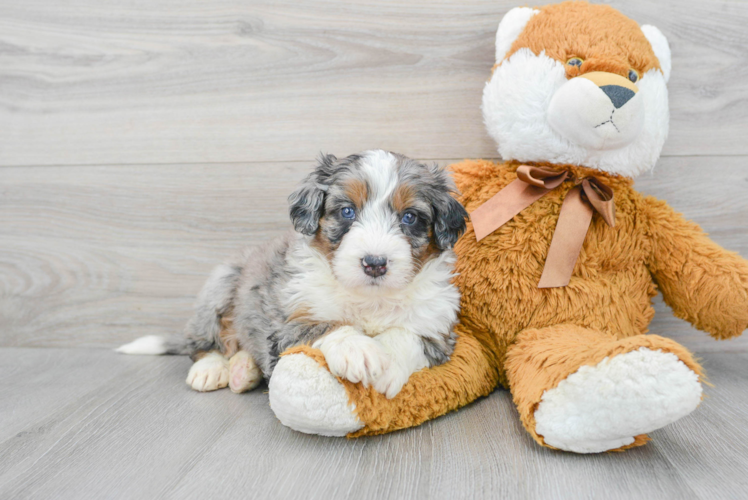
<point>601,36</point>
<point>509,326</point>
<point>529,339</point>
<point>541,358</point>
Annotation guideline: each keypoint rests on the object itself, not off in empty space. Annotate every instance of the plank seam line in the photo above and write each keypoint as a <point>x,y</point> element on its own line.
<point>282,162</point>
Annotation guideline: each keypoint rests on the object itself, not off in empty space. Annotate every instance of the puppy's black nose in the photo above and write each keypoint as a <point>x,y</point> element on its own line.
<point>618,95</point>
<point>374,265</point>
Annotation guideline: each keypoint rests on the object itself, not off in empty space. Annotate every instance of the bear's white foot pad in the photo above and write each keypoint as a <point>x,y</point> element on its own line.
<point>603,407</point>
<point>209,373</point>
<point>308,398</point>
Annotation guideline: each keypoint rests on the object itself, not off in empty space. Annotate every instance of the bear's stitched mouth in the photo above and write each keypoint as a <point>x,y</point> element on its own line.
<point>609,120</point>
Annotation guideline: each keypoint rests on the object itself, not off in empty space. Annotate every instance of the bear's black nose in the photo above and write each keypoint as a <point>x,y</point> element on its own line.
<point>618,95</point>
<point>374,265</point>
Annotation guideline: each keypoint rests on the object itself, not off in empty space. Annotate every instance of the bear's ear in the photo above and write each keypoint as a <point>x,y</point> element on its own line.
<point>660,46</point>
<point>510,27</point>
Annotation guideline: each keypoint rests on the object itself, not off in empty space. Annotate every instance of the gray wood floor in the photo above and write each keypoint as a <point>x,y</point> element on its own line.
<point>143,142</point>
<point>88,423</point>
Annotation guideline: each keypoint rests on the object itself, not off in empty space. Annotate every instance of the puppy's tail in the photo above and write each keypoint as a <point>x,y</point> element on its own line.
<point>156,345</point>
<point>150,344</point>
<point>203,331</point>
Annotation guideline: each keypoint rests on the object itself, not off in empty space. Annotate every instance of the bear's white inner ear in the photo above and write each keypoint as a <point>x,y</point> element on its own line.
<point>510,27</point>
<point>660,46</point>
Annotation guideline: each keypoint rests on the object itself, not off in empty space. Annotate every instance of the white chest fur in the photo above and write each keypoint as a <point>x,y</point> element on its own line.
<point>426,306</point>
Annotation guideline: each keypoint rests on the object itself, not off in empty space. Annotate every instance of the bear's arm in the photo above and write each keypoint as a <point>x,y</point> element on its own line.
<point>703,283</point>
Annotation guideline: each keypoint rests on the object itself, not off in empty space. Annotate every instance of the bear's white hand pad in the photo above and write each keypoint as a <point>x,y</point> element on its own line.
<point>308,398</point>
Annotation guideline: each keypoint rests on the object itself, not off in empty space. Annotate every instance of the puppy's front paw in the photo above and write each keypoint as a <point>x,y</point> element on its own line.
<point>353,356</point>
<point>392,380</point>
<point>406,350</point>
<point>209,373</point>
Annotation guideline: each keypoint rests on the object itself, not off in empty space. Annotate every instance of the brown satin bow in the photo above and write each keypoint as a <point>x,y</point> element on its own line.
<point>573,222</point>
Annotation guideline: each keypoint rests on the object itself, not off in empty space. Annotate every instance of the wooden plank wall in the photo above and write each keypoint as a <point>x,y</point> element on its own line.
<point>141,142</point>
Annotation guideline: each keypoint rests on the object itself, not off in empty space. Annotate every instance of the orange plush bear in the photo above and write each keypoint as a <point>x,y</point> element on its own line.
<point>560,263</point>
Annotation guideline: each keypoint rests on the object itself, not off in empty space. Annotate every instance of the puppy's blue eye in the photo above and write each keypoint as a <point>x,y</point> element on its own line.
<point>348,213</point>
<point>409,218</point>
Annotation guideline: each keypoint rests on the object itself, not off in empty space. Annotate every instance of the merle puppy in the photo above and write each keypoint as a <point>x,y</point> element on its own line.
<point>366,277</point>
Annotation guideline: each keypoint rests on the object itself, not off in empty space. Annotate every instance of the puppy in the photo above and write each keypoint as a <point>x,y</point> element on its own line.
<point>365,278</point>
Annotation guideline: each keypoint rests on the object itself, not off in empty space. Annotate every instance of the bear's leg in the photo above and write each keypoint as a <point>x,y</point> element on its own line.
<point>306,397</point>
<point>586,391</point>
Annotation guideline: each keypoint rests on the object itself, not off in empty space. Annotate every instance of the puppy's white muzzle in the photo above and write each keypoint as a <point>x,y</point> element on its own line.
<point>373,236</point>
<point>599,111</point>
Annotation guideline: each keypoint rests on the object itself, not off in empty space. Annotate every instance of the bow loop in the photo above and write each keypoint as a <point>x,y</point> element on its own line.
<point>541,177</point>
<point>600,197</point>
<point>533,183</point>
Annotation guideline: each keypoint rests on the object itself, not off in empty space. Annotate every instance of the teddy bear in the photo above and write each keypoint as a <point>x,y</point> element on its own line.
<point>562,257</point>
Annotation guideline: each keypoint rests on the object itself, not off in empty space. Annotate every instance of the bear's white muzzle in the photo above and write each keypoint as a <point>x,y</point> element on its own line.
<point>598,111</point>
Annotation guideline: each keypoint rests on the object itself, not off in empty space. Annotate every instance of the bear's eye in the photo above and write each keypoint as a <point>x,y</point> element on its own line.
<point>575,61</point>
<point>633,76</point>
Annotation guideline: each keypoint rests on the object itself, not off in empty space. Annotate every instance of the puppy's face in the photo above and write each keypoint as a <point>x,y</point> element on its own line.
<point>377,217</point>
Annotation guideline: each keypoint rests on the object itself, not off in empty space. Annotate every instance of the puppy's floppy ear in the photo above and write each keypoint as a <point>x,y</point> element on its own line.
<point>306,203</point>
<point>449,214</point>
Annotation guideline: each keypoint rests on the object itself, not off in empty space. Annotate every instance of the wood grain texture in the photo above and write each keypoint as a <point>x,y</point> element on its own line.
<point>133,429</point>
<point>185,81</point>
<point>94,255</point>
<point>142,142</point>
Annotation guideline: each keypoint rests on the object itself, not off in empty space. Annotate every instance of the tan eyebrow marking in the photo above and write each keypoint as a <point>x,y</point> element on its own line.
<point>403,198</point>
<point>357,191</point>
